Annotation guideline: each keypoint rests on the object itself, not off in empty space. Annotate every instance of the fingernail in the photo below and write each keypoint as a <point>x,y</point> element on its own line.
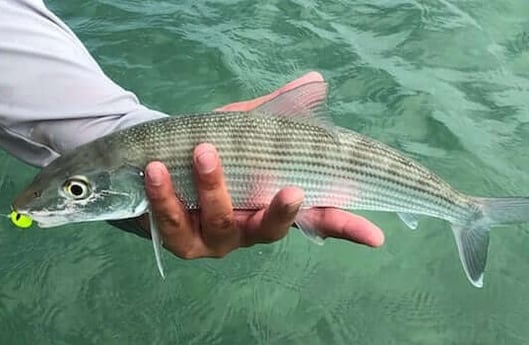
<point>154,175</point>
<point>206,161</point>
<point>294,206</point>
<point>289,211</point>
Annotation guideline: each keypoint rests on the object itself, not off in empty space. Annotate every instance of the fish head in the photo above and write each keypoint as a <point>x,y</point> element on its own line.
<point>72,190</point>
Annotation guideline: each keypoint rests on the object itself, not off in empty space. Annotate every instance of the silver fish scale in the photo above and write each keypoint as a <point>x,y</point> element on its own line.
<point>262,154</point>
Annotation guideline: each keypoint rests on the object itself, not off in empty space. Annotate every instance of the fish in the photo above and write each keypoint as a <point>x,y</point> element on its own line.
<point>291,140</point>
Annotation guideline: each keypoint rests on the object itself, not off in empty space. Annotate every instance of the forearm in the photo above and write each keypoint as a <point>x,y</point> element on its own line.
<point>53,95</point>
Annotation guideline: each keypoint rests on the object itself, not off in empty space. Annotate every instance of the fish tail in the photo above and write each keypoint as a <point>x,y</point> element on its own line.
<point>472,234</point>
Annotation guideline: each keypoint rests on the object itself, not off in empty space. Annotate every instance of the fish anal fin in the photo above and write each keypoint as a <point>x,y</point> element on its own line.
<point>156,243</point>
<point>411,220</point>
<point>472,244</point>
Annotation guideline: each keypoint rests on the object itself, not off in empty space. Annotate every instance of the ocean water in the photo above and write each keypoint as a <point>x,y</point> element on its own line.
<point>446,82</point>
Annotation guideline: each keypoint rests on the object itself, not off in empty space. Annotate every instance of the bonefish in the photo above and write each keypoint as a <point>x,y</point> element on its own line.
<point>290,140</point>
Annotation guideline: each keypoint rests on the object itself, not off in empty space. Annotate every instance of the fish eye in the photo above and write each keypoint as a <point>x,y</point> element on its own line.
<point>77,188</point>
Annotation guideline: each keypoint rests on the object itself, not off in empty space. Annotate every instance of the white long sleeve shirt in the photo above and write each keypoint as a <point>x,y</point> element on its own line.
<point>53,94</point>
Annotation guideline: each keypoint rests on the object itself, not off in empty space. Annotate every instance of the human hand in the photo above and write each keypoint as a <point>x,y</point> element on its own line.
<point>217,229</point>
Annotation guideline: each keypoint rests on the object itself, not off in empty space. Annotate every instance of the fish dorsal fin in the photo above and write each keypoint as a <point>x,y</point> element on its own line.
<point>304,104</point>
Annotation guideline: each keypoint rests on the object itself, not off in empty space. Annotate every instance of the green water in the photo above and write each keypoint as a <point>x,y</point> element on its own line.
<point>445,82</point>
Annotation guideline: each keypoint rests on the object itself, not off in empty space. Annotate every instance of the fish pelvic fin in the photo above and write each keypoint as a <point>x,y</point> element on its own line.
<point>308,227</point>
<point>156,243</point>
<point>472,236</point>
<point>411,220</point>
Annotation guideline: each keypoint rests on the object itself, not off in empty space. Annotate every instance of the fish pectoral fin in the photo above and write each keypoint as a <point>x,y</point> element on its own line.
<point>410,219</point>
<point>472,245</point>
<point>156,243</point>
<point>306,224</point>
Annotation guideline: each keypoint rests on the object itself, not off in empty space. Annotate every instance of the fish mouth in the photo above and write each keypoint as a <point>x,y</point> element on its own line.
<point>19,202</point>
<point>20,210</point>
<point>48,222</point>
